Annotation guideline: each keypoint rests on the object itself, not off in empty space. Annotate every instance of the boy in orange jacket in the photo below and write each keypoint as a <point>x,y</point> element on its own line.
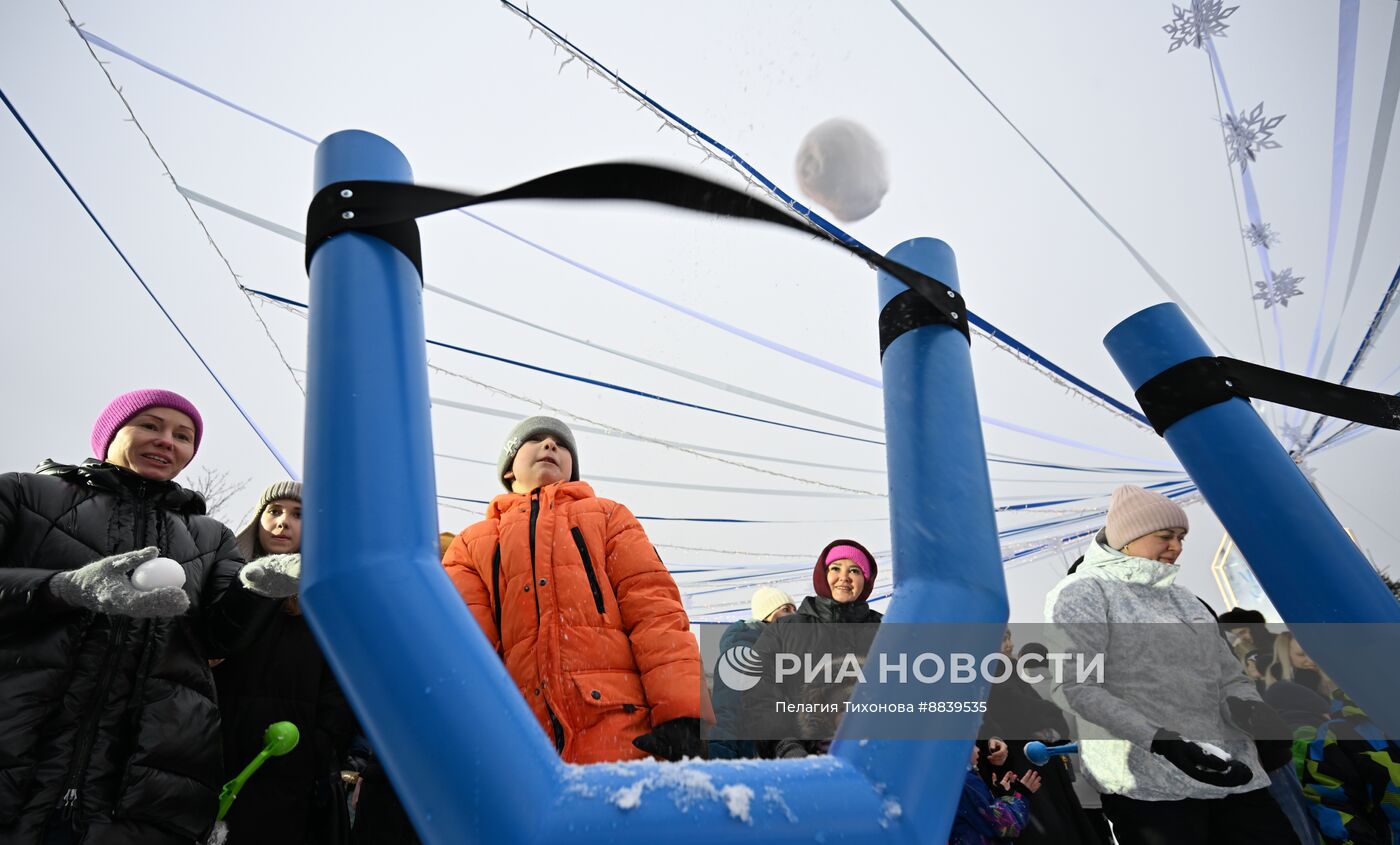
<point>572,595</point>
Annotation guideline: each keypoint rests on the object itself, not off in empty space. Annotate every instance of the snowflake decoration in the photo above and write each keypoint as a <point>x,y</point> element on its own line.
<point>1261,234</point>
<point>1249,133</point>
<point>1285,287</point>
<point>1204,19</point>
<point>1292,436</point>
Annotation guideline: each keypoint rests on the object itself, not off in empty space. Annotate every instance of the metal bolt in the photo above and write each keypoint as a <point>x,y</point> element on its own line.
<point>348,215</point>
<point>951,295</point>
<point>347,193</point>
<point>1229,383</point>
<point>953,314</point>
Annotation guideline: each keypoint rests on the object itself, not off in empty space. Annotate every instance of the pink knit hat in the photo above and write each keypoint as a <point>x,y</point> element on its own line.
<point>1134,512</point>
<point>120,411</point>
<point>845,550</point>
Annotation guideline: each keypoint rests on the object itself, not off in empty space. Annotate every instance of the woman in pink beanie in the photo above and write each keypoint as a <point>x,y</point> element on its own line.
<point>109,731</point>
<point>837,620</point>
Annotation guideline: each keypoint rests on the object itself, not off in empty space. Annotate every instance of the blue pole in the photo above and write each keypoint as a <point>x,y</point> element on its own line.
<point>466,755</point>
<point>1307,563</point>
<point>433,696</point>
<point>947,561</point>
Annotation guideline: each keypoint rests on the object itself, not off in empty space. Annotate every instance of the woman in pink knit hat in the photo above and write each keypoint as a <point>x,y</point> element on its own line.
<point>837,620</point>
<point>109,731</point>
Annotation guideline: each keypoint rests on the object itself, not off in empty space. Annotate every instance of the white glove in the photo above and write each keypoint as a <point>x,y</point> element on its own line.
<point>273,576</point>
<point>105,586</point>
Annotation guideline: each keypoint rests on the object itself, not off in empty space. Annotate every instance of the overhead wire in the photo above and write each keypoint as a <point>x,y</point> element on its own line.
<point>1142,261</point>
<point>752,176</point>
<point>189,344</point>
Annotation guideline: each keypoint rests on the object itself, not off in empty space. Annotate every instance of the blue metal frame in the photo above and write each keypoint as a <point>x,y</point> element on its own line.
<point>470,761</point>
<point>1307,563</point>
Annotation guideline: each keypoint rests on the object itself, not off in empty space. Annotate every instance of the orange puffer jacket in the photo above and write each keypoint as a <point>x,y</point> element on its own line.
<point>590,624</point>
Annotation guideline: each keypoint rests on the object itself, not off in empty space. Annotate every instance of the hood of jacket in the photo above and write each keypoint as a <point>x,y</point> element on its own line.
<point>1104,563</point>
<point>122,481</point>
<point>743,632</point>
<point>558,493</point>
<point>819,584</point>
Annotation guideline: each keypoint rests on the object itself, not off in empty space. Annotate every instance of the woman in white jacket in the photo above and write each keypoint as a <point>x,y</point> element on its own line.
<point>1171,691</point>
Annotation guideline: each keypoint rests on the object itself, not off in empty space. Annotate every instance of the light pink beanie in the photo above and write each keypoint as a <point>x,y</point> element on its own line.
<point>1134,512</point>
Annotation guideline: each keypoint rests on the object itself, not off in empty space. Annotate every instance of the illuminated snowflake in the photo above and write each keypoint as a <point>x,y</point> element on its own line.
<point>1204,19</point>
<point>1261,234</point>
<point>1249,133</point>
<point>1285,288</point>
<point>1292,436</point>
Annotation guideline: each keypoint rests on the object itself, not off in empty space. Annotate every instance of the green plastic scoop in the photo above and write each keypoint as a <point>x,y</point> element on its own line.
<point>278,739</point>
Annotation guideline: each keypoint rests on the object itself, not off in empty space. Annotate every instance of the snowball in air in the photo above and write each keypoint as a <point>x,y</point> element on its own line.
<point>156,573</point>
<point>842,168</point>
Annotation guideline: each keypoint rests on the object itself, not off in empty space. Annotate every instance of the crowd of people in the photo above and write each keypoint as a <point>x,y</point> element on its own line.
<point>128,699</point>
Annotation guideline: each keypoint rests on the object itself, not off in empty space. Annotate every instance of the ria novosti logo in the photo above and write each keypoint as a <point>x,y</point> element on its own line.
<point>739,668</point>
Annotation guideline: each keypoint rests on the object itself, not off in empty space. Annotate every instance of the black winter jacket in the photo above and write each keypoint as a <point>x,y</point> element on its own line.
<point>849,629</point>
<point>725,743</point>
<point>283,676</point>
<point>107,723</point>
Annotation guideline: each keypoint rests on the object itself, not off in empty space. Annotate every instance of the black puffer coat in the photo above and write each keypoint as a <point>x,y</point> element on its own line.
<point>821,626</point>
<point>282,676</point>
<point>109,723</point>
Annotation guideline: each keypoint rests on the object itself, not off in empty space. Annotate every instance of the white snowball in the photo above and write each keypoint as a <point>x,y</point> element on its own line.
<point>1214,750</point>
<point>156,573</point>
<point>842,168</point>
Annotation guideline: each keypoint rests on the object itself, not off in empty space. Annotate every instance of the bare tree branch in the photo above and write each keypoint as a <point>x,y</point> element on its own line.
<point>217,488</point>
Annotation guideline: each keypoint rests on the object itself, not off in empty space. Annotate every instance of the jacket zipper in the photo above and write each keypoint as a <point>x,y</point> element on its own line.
<point>534,516</point>
<point>88,735</point>
<point>588,568</point>
<point>497,599</point>
<point>554,723</point>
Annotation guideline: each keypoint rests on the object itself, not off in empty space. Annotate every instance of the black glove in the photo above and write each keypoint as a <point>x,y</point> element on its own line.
<point>1197,763</point>
<point>790,749</point>
<point>1272,738</point>
<point>673,740</point>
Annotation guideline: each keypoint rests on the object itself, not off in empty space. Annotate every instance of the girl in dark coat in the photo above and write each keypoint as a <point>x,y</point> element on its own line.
<point>109,732</point>
<point>295,799</point>
<point>1016,714</point>
<point>843,578</point>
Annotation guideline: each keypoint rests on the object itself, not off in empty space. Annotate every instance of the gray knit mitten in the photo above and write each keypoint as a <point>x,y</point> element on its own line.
<point>105,586</point>
<point>274,576</point>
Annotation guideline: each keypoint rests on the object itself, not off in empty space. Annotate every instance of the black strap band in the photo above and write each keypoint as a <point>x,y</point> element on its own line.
<point>904,313</point>
<point>387,210</point>
<point>1182,390</point>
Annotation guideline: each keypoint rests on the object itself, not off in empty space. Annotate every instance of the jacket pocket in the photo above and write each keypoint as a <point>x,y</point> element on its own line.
<point>615,697</point>
<point>588,569</point>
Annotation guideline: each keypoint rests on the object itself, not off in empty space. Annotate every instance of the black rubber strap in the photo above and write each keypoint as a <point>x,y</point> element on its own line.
<point>387,210</point>
<point>906,312</point>
<point>1180,391</point>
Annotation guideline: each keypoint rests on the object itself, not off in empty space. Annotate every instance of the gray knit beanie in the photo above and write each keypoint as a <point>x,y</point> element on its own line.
<point>523,432</point>
<point>248,538</point>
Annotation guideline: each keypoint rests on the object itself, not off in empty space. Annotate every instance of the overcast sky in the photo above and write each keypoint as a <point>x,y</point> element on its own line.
<point>476,100</point>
